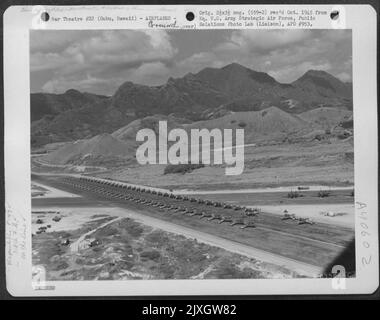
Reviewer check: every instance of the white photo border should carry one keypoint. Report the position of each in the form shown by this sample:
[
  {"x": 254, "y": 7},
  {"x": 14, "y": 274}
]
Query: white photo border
[{"x": 18, "y": 20}]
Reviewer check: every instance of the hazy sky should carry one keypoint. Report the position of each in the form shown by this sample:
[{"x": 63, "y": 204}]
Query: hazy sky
[{"x": 99, "y": 61}]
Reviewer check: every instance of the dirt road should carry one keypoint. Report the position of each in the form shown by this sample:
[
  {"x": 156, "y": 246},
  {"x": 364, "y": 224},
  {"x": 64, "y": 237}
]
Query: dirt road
[{"x": 74, "y": 247}]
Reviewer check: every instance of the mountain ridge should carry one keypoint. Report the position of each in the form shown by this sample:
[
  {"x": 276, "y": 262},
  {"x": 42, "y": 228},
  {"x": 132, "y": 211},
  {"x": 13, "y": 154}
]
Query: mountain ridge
[
  {"x": 233, "y": 87},
  {"x": 269, "y": 126}
]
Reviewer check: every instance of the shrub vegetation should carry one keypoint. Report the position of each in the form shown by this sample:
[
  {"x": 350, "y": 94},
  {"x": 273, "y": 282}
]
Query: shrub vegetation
[{"x": 181, "y": 168}]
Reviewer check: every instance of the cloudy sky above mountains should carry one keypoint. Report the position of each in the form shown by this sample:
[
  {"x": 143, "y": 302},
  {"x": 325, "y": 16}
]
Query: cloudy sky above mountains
[{"x": 100, "y": 61}]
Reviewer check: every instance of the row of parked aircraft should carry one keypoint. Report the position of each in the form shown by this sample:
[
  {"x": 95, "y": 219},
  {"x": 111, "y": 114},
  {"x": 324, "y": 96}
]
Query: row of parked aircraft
[{"x": 162, "y": 200}]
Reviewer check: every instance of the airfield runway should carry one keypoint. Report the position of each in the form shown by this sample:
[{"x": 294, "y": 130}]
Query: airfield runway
[{"x": 307, "y": 249}]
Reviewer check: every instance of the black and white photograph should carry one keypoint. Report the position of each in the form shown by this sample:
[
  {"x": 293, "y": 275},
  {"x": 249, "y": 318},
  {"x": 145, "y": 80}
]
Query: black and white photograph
[
  {"x": 154, "y": 151},
  {"x": 102, "y": 212}
]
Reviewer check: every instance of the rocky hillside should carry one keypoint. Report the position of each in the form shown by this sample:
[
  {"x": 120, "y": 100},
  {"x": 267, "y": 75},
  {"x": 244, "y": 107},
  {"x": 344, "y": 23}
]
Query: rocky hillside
[
  {"x": 66, "y": 119},
  {"x": 269, "y": 126},
  {"x": 89, "y": 151},
  {"x": 208, "y": 94},
  {"x": 48, "y": 104},
  {"x": 236, "y": 88},
  {"x": 326, "y": 117},
  {"x": 128, "y": 133}
]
